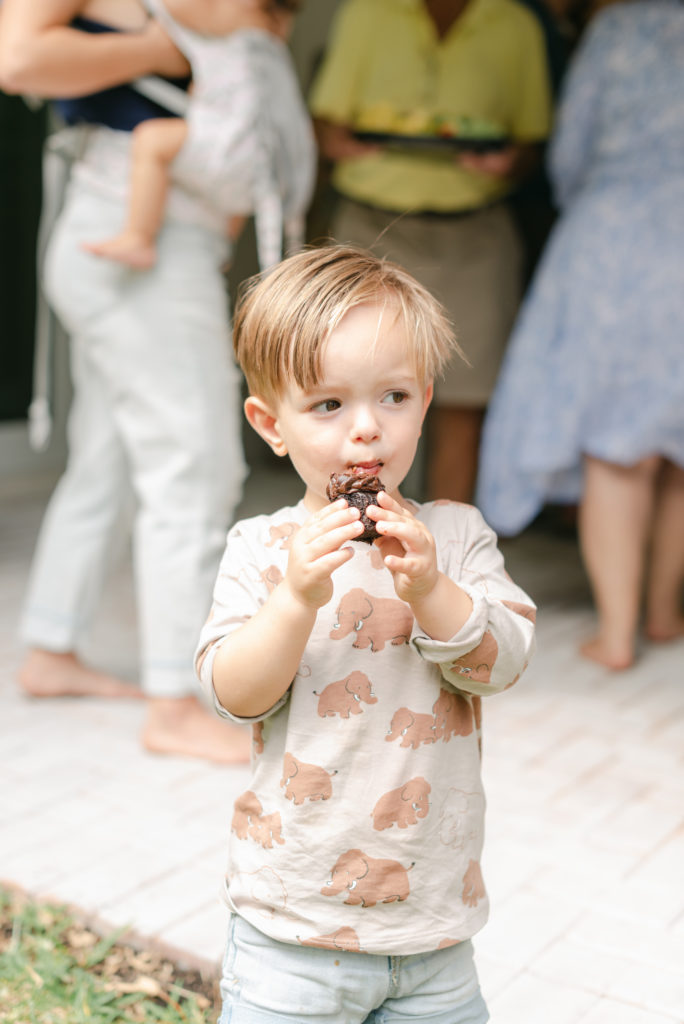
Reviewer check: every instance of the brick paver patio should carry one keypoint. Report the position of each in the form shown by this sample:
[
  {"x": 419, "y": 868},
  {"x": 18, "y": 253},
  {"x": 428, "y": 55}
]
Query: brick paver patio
[{"x": 584, "y": 856}]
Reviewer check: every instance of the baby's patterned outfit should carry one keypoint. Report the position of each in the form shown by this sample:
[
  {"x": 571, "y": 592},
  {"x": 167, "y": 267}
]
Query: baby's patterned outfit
[{"x": 250, "y": 145}]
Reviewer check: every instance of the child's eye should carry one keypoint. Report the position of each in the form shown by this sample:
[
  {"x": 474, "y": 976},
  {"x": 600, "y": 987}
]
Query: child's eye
[
  {"x": 328, "y": 405},
  {"x": 395, "y": 397}
]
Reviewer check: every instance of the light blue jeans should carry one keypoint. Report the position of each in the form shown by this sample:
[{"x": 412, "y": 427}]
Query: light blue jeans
[{"x": 265, "y": 981}]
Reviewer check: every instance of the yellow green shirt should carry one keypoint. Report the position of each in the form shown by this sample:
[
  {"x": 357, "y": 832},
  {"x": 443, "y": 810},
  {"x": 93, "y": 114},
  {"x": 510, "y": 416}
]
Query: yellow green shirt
[{"x": 386, "y": 53}]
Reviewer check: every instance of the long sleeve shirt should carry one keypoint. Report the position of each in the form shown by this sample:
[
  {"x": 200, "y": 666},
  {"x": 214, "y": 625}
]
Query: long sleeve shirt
[{"x": 362, "y": 826}]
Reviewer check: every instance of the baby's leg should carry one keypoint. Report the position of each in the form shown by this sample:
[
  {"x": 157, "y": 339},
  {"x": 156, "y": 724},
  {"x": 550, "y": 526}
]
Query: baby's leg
[{"x": 155, "y": 144}]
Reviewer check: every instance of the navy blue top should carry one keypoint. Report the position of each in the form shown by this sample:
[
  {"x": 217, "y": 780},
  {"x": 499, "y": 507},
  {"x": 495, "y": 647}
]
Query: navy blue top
[{"x": 119, "y": 107}]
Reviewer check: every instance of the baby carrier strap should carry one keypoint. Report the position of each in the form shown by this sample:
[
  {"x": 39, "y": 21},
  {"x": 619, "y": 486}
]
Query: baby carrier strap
[
  {"x": 286, "y": 173},
  {"x": 164, "y": 93},
  {"x": 282, "y": 170},
  {"x": 182, "y": 37}
]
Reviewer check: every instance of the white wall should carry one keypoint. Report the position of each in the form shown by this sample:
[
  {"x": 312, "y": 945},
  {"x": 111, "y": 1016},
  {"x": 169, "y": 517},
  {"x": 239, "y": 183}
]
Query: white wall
[{"x": 19, "y": 463}]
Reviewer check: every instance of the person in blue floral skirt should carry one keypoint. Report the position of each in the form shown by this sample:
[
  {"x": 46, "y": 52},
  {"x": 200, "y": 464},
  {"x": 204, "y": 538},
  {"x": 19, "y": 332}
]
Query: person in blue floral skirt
[{"x": 589, "y": 406}]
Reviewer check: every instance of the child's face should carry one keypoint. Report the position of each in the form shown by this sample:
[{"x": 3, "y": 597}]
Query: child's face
[{"x": 367, "y": 409}]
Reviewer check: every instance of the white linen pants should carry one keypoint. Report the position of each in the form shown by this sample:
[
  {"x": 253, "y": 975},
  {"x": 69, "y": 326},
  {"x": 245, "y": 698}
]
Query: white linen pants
[{"x": 156, "y": 409}]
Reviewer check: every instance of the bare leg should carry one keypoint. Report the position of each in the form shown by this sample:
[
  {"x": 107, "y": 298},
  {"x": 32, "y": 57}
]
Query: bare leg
[
  {"x": 155, "y": 144},
  {"x": 614, "y": 526},
  {"x": 665, "y": 585},
  {"x": 454, "y": 442},
  {"x": 51, "y": 674},
  {"x": 184, "y": 726}
]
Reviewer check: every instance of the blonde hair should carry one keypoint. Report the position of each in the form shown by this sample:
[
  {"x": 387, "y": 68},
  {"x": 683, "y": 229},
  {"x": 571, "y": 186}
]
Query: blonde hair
[{"x": 283, "y": 318}]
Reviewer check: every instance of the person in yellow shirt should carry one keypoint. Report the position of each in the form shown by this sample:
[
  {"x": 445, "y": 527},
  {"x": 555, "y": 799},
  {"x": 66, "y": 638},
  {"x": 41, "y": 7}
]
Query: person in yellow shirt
[{"x": 418, "y": 67}]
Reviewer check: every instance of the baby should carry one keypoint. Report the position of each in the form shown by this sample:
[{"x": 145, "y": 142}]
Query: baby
[
  {"x": 245, "y": 118},
  {"x": 354, "y": 870}
]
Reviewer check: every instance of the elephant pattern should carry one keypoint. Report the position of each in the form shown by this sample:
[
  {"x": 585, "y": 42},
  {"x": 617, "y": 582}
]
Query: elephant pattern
[
  {"x": 283, "y": 533},
  {"x": 477, "y": 664},
  {"x": 344, "y": 696},
  {"x": 368, "y": 880},
  {"x": 265, "y": 888},
  {"x": 413, "y": 727},
  {"x": 402, "y": 806},
  {"x": 249, "y": 821},
  {"x": 473, "y": 885},
  {"x": 375, "y": 620},
  {"x": 258, "y": 737},
  {"x": 345, "y": 939},
  {"x": 477, "y": 712},
  {"x": 376, "y": 559},
  {"x": 527, "y": 611},
  {"x": 272, "y": 577},
  {"x": 305, "y": 781},
  {"x": 459, "y": 819},
  {"x": 453, "y": 715},
  {"x": 364, "y": 822}
]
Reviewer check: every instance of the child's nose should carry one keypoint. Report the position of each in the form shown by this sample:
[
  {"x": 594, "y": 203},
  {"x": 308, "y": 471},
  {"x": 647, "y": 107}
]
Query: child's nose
[{"x": 365, "y": 426}]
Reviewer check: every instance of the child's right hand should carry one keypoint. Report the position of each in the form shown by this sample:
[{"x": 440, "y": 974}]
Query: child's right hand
[{"x": 316, "y": 551}]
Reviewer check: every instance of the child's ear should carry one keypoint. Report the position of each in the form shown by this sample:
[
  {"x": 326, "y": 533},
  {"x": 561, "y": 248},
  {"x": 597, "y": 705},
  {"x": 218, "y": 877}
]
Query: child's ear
[{"x": 262, "y": 417}]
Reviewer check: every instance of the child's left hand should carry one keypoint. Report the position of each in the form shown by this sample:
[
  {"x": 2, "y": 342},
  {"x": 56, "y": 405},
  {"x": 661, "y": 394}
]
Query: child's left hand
[{"x": 407, "y": 548}]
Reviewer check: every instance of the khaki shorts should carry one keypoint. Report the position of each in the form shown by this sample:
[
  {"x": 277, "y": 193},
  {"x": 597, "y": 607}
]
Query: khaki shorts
[{"x": 472, "y": 263}]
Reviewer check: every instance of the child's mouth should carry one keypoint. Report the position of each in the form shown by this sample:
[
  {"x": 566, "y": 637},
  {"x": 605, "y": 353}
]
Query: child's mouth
[{"x": 366, "y": 467}]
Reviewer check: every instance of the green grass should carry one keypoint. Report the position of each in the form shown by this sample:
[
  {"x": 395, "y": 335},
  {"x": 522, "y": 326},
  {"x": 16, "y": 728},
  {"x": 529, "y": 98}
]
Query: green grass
[{"x": 53, "y": 970}]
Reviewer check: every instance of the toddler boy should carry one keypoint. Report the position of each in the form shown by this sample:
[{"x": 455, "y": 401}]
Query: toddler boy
[{"x": 354, "y": 872}]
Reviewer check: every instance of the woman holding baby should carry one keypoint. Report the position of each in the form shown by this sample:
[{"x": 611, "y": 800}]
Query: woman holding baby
[{"x": 156, "y": 395}]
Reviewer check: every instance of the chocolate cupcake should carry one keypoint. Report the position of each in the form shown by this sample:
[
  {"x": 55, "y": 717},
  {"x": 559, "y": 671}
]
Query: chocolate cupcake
[{"x": 359, "y": 490}]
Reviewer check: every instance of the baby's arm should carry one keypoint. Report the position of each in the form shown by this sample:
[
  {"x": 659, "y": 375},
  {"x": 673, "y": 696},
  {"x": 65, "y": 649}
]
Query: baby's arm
[{"x": 255, "y": 665}]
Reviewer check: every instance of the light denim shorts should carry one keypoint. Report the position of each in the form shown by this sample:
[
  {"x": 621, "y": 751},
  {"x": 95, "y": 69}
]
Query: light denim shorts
[{"x": 265, "y": 981}]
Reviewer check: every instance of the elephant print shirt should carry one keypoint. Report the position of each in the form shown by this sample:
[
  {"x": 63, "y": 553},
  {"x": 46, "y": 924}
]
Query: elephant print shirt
[{"x": 362, "y": 825}]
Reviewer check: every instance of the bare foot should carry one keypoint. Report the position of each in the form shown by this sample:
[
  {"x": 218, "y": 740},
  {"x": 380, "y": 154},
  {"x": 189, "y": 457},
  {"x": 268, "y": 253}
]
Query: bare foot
[
  {"x": 612, "y": 657},
  {"x": 132, "y": 250},
  {"x": 665, "y": 631},
  {"x": 184, "y": 726},
  {"x": 49, "y": 674}
]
